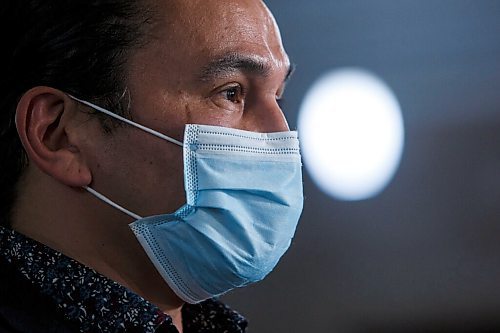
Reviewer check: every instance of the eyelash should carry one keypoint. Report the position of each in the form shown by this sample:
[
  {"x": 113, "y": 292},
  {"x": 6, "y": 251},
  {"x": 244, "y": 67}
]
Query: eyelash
[
  {"x": 238, "y": 90},
  {"x": 238, "y": 95}
]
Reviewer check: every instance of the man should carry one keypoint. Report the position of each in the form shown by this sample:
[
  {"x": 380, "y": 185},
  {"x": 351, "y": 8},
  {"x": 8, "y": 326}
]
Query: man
[{"x": 97, "y": 97}]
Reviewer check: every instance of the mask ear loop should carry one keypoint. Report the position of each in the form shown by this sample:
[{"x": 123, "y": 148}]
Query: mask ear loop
[
  {"x": 139, "y": 126},
  {"x": 128, "y": 121},
  {"x": 111, "y": 203}
]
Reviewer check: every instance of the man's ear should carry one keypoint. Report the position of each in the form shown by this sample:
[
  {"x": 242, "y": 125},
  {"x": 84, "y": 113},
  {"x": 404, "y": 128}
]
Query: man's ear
[{"x": 45, "y": 120}]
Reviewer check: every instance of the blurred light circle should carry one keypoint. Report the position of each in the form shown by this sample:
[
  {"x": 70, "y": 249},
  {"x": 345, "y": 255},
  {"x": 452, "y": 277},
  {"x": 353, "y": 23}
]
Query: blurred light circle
[{"x": 352, "y": 134}]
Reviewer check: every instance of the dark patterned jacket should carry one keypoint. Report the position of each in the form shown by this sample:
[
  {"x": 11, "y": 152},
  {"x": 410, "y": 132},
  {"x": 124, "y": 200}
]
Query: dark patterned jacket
[{"x": 42, "y": 291}]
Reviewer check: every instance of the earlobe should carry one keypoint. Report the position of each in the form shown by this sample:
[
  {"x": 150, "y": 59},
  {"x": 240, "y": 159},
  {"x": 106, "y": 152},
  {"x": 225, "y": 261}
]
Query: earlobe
[{"x": 44, "y": 119}]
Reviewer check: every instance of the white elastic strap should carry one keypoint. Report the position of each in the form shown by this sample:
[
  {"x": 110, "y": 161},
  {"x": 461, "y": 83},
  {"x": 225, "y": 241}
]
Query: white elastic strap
[
  {"x": 130, "y": 122},
  {"x": 111, "y": 203}
]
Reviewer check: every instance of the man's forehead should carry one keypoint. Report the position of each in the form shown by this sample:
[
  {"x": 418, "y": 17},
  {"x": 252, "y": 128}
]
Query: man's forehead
[
  {"x": 216, "y": 39},
  {"x": 184, "y": 7},
  {"x": 228, "y": 63},
  {"x": 217, "y": 19}
]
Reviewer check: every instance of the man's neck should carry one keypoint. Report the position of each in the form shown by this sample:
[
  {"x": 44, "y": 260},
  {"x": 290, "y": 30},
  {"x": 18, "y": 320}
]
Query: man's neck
[{"x": 81, "y": 227}]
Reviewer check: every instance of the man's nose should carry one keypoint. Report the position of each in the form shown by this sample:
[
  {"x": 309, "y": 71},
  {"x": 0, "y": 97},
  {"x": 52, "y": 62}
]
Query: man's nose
[{"x": 266, "y": 117}]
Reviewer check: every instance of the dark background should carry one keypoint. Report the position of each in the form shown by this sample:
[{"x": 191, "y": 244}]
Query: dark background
[{"x": 424, "y": 255}]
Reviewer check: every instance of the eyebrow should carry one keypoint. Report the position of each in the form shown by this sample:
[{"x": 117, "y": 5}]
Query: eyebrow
[{"x": 234, "y": 62}]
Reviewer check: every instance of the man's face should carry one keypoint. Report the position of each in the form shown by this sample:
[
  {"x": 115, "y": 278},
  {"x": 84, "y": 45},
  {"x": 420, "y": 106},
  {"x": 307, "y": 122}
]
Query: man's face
[{"x": 209, "y": 62}]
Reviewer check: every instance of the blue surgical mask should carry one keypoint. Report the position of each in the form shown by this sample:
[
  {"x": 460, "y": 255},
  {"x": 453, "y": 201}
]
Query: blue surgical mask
[{"x": 244, "y": 199}]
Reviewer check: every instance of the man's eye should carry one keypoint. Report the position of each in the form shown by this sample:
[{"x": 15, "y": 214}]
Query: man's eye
[
  {"x": 230, "y": 97},
  {"x": 234, "y": 94}
]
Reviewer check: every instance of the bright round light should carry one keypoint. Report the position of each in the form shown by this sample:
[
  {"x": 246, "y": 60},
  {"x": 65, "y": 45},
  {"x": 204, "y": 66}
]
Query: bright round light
[{"x": 352, "y": 134}]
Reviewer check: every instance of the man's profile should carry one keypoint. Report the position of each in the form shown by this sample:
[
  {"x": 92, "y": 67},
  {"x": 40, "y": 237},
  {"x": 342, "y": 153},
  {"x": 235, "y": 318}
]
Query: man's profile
[{"x": 147, "y": 165}]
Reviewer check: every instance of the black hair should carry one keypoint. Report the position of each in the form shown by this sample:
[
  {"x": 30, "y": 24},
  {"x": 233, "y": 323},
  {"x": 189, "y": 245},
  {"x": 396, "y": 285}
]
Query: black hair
[{"x": 78, "y": 46}]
